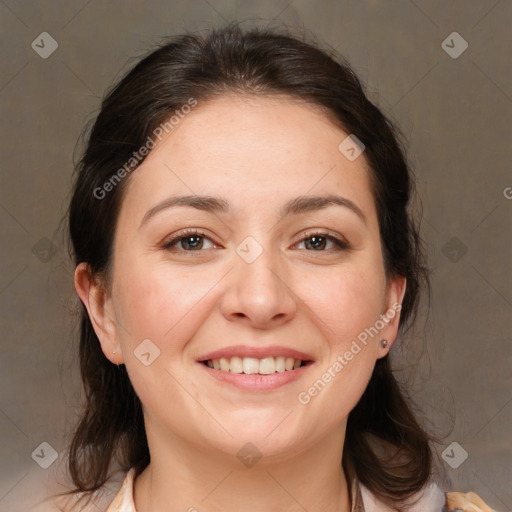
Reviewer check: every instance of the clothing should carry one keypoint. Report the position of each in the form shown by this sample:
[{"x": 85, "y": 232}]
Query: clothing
[{"x": 431, "y": 500}]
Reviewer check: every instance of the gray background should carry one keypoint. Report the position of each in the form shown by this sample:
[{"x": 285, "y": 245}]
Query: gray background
[{"x": 455, "y": 112}]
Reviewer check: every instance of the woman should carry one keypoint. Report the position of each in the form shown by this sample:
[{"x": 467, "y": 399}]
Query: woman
[{"x": 246, "y": 259}]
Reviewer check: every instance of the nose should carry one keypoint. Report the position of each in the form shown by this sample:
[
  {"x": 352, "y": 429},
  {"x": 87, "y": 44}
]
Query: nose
[{"x": 258, "y": 293}]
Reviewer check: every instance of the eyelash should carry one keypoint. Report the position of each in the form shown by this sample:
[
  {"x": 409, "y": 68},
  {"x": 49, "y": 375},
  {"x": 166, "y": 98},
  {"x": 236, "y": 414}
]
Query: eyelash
[{"x": 341, "y": 245}]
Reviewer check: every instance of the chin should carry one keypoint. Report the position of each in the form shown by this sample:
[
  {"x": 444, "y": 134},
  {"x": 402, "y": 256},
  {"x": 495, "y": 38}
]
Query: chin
[{"x": 268, "y": 439}]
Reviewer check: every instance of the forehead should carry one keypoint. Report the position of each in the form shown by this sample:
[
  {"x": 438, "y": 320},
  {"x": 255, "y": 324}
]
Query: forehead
[{"x": 255, "y": 150}]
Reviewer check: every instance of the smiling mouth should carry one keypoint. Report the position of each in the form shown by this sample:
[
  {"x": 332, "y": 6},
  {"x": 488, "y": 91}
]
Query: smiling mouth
[{"x": 252, "y": 365}]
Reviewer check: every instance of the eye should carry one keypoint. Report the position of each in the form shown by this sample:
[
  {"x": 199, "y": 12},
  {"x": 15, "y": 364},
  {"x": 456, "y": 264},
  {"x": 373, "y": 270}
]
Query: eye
[
  {"x": 189, "y": 240},
  {"x": 193, "y": 240},
  {"x": 323, "y": 242}
]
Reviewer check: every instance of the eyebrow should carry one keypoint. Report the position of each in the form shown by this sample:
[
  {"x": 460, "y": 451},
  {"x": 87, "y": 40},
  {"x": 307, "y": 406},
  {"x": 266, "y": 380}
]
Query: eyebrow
[{"x": 301, "y": 204}]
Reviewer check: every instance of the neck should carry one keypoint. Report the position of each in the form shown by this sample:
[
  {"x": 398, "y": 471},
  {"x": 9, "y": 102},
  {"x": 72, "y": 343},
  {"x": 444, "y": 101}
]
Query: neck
[{"x": 182, "y": 478}]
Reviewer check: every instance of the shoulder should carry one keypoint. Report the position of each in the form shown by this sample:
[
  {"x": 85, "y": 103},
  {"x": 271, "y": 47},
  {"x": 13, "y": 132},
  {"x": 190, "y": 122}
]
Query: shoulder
[
  {"x": 431, "y": 499},
  {"x": 123, "y": 500},
  {"x": 467, "y": 502}
]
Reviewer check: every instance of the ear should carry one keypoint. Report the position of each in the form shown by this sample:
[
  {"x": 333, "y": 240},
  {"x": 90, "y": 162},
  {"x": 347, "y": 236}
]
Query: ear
[
  {"x": 98, "y": 303},
  {"x": 391, "y": 315}
]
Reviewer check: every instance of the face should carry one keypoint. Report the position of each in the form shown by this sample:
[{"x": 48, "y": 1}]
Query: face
[{"x": 247, "y": 241}]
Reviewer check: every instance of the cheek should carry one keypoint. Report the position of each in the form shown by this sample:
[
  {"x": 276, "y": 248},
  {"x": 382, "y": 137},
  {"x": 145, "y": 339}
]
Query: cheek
[
  {"x": 344, "y": 302},
  {"x": 166, "y": 307},
  {"x": 157, "y": 303}
]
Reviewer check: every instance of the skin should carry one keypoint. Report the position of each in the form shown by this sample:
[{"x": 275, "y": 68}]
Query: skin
[{"x": 257, "y": 153}]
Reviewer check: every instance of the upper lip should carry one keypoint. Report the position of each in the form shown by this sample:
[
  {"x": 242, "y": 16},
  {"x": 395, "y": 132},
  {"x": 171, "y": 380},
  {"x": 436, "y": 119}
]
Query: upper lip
[{"x": 256, "y": 352}]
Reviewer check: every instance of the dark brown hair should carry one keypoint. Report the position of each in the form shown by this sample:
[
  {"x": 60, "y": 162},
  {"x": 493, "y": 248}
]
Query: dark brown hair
[{"x": 255, "y": 62}]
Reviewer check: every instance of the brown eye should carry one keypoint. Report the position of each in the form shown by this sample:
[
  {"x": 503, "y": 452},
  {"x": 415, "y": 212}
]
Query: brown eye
[
  {"x": 323, "y": 242},
  {"x": 316, "y": 242},
  {"x": 193, "y": 242},
  {"x": 189, "y": 241}
]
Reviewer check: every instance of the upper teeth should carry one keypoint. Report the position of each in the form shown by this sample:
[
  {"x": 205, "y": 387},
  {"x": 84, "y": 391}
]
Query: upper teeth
[{"x": 265, "y": 366}]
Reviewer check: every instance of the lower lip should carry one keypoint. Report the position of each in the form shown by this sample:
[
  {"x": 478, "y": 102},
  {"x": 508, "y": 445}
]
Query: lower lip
[{"x": 255, "y": 381}]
